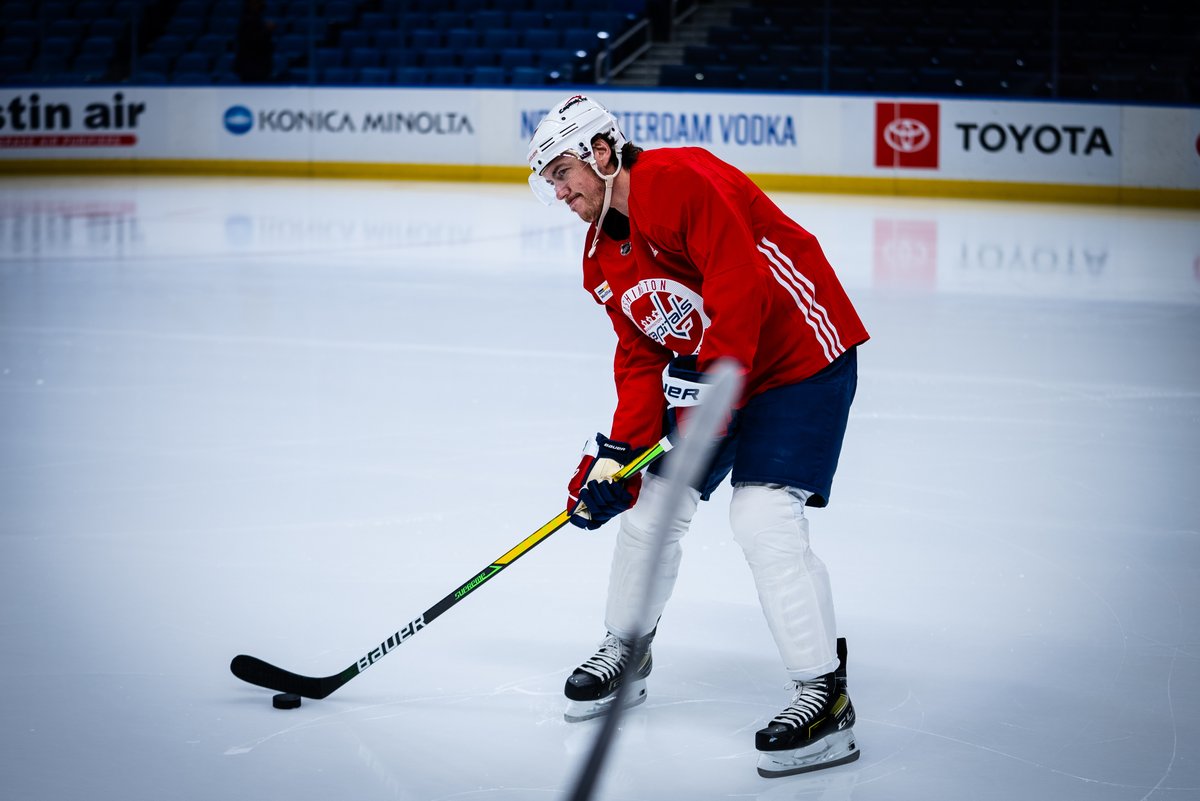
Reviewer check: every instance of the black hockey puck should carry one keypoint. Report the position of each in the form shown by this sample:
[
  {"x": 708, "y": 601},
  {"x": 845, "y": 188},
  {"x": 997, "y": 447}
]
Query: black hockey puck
[{"x": 286, "y": 701}]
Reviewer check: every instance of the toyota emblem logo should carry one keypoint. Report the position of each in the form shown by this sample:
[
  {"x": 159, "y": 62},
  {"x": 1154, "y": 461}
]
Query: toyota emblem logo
[{"x": 907, "y": 135}]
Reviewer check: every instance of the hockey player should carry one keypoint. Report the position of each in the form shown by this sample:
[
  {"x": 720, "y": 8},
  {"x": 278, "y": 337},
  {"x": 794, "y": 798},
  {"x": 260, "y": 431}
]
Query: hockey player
[{"x": 693, "y": 263}]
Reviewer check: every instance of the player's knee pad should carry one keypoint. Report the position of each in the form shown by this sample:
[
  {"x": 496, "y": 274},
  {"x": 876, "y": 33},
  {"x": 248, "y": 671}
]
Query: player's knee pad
[
  {"x": 768, "y": 519},
  {"x": 637, "y": 525},
  {"x": 633, "y": 562},
  {"x": 793, "y": 585}
]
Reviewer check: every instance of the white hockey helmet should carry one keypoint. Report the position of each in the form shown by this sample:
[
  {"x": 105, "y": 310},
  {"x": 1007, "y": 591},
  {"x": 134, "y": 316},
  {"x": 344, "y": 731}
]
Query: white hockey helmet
[{"x": 568, "y": 129}]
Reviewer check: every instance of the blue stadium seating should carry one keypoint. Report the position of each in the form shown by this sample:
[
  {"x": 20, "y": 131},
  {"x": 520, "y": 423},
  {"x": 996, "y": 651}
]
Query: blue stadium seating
[
  {"x": 193, "y": 62},
  {"x": 516, "y": 57},
  {"x": 411, "y": 76},
  {"x": 389, "y": 39},
  {"x": 375, "y": 76},
  {"x": 170, "y": 44},
  {"x": 360, "y": 57},
  {"x": 462, "y": 38},
  {"x": 425, "y": 38},
  {"x": 521, "y": 21},
  {"x": 439, "y": 58},
  {"x": 488, "y": 76},
  {"x": 339, "y": 75},
  {"x": 355, "y": 39},
  {"x": 490, "y": 20},
  {"x": 540, "y": 39},
  {"x": 499, "y": 38},
  {"x": 159, "y": 63},
  {"x": 326, "y": 57},
  {"x": 448, "y": 76},
  {"x": 476, "y": 57},
  {"x": 191, "y": 78},
  {"x": 527, "y": 76},
  {"x": 1097, "y": 50},
  {"x": 214, "y": 44}
]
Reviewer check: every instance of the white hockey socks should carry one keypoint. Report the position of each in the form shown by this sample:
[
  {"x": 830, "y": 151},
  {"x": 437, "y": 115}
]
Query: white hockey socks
[{"x": 793, "y": 584}]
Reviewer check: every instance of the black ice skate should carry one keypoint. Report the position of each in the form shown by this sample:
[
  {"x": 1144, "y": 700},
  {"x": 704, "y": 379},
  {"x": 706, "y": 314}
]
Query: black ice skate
[
  {"x": 815, "y": 731},
  {"x": 593, "y": 685}
]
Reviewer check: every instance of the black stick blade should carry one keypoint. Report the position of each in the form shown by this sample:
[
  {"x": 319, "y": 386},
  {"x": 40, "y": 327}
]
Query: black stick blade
[{"x": 255, "y": 671}]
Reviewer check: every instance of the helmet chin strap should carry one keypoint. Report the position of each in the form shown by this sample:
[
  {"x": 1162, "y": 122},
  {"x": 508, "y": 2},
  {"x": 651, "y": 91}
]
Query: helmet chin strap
[{"x": 608, "y": 188}]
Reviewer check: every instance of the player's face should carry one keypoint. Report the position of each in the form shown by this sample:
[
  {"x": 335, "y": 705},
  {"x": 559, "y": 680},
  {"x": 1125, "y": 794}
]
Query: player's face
[{"x": 576, "y": 184}]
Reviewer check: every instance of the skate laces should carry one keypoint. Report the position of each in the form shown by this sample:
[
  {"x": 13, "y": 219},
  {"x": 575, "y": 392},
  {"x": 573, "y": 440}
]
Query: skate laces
[
  {"x": 608, "y": 661},
  {"x": 809, "y": 698}
]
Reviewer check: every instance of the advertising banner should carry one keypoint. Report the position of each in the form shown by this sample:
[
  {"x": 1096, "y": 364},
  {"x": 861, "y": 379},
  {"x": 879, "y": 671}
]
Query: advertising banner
[
  {"x": 81, "y": 124},
  {"x": 864, "y": 142}
]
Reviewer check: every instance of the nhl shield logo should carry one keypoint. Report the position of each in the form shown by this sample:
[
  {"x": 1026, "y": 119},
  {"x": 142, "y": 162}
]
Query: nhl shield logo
[{"x": 626, "y": 248}]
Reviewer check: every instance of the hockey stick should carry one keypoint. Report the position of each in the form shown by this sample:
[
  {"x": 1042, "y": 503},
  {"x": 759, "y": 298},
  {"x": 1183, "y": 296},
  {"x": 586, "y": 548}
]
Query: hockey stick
[{"x": 263, "y": 674}]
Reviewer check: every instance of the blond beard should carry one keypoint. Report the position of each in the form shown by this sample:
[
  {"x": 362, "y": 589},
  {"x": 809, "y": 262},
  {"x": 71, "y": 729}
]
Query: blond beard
[{"x": 593, "y": 202}]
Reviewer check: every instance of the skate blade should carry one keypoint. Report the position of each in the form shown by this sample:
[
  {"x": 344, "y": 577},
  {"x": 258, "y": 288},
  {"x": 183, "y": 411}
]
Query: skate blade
[
  {"x": 836, "y": 749},
  {"x": 578, "y": 711}
]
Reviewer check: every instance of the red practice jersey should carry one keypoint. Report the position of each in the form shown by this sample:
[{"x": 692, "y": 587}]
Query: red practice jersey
[{"x": 714, "y": 268}]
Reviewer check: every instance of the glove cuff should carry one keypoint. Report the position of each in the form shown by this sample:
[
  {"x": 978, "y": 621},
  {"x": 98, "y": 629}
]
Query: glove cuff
[
  {"x": 683, "y": 384},
  {"x": 620, "y": 452}
]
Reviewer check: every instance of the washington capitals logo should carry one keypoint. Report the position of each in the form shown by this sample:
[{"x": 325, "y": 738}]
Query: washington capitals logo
[
  {"x": 670, "y": 313},
  {"x": 571, "y": 101},
  {"x": 670, "y": 318}
]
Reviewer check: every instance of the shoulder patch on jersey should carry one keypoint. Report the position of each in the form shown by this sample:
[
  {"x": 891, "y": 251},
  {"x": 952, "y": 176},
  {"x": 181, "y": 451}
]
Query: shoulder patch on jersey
[{"x": 603, "y": 292}]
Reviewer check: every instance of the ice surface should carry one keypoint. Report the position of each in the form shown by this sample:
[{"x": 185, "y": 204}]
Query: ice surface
[{"x": 285, "y": 417}]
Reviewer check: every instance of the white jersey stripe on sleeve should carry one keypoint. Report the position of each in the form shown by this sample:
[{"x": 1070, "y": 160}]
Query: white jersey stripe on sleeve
[
  {"x": 783, "y": 282},
  {"x": 810, "y": 296},
  {"x": 816, "y": 316}
]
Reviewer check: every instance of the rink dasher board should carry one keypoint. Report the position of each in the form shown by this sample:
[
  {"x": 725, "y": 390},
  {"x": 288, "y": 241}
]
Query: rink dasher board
[{"x": 888, "y": 145}]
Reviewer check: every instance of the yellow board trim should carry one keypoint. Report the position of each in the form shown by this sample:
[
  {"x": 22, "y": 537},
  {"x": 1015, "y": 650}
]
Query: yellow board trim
[
  {"x": 982, "y": 190},
  {"x": 896, "y": 187},
  {"x": 292, "y": 169}
]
